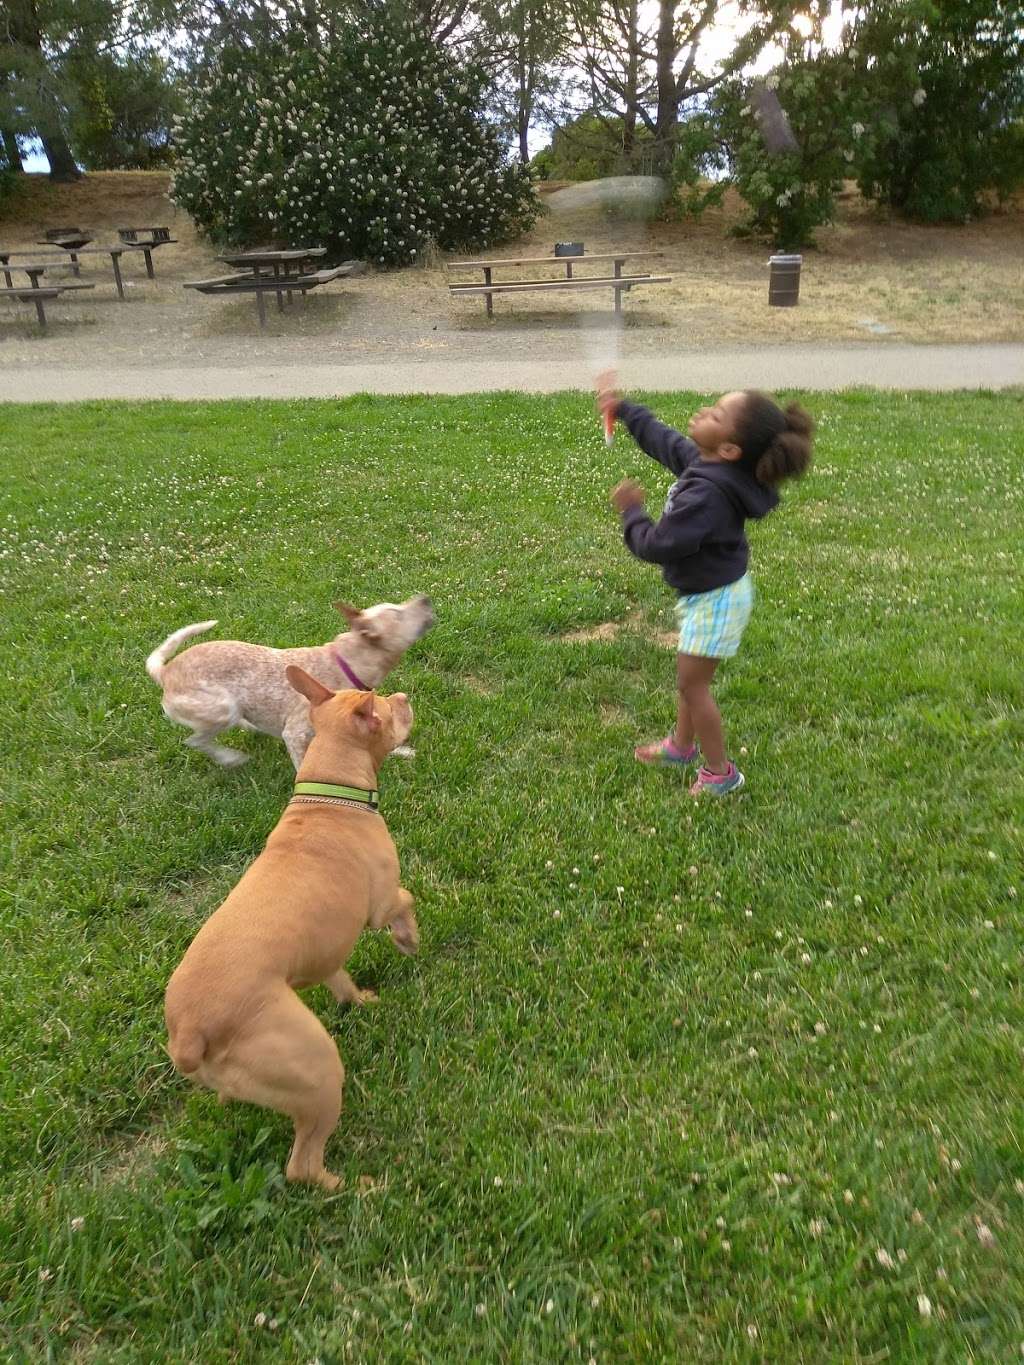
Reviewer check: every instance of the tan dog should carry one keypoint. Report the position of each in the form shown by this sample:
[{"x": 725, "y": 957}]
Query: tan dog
[
  {"x": 213, "y": 686},
  {"x": 328, "y": 870}
]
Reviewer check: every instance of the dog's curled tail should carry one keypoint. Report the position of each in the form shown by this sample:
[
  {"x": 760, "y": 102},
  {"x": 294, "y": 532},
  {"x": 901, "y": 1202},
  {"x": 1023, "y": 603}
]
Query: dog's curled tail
[{"x": 155, "y": 662}]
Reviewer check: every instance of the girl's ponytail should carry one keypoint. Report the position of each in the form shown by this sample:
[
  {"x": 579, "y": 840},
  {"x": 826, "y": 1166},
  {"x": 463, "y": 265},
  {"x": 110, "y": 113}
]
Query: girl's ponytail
[{"x": 776, "y": 445}]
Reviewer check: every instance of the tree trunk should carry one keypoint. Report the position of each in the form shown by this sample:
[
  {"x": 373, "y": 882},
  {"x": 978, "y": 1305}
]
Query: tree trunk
[
  {"x": 667, "y": 120},
  {"x": 629, "y": 116},
  {"x": 24, "y": 32},
  {"x": 58, "y": 153},
  {"x": 12, "y": 150},
  {"x": 524, "y": 101}
]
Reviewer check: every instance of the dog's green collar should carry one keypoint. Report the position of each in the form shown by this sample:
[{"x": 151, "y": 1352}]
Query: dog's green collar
[{"x": 358, "y": 796}]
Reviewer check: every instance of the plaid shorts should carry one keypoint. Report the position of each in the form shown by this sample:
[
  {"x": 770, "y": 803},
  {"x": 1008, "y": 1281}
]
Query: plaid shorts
[{"x": 711, "y": 624}]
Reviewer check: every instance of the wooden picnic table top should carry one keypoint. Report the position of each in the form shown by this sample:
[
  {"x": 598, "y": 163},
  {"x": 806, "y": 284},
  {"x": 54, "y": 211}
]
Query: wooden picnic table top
[
  {"x": 67, "y": 242},
  {"x": 552, "y": 260},
  {"x": 246, "y": 282},
  {"x": 245, "y": 258},
  {"x": 118, "y": 250}
]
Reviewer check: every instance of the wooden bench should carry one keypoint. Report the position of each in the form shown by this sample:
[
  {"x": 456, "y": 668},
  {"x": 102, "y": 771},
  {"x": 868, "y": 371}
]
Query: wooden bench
[
  {"x": 35, "y": 270},
  {"x": 252, "y": 282},
  {"x": 617, "y": 281},
  {"x": 33, "y": 295}
]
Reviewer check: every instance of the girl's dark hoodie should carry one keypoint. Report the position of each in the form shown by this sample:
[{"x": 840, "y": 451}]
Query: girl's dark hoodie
[{"x": 699, "y": 541}]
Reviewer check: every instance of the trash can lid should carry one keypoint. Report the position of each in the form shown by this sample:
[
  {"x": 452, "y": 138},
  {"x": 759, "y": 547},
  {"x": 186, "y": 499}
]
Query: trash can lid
[{"x": 785, "y": 260}]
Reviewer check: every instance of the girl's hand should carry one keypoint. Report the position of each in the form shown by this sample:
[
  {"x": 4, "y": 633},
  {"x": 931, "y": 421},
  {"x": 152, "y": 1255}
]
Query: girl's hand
[
  {"x": 627, "y": 494},
  {"x": 607, "y": 398}
]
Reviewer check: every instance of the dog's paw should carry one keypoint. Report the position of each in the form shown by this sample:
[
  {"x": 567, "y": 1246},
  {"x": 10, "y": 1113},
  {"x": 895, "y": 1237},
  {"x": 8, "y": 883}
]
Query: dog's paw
[{"x": 233, "y": 758}]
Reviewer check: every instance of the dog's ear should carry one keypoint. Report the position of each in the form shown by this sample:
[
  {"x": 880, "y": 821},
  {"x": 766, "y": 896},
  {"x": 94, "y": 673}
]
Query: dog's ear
[
  {"x": 314, "y": 692},
  {"x": 366, "y": 713},
  {"x": 351, "y": 614}
]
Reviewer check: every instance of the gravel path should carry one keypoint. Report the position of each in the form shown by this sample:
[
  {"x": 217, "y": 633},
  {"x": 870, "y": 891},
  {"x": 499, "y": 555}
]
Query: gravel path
[{"x": 889, "y": 366}]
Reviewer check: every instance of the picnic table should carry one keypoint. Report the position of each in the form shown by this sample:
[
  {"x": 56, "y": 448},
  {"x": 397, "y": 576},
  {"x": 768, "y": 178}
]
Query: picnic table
[
  {"x": 34, "y": 271},
  {"x": 279, "y": 272},
  {"x": 114, "y": 252},
  {"x": 70, "y": 239},
  {"x": 617, "y": 281},
  {"x": 146, "y": 240},
  {"x": 300, "y": 259},
  {"x": 38, "y": 295}
]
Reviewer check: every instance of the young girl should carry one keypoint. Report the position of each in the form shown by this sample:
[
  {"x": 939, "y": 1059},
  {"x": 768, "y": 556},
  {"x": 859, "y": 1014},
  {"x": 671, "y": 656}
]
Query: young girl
[{"x": 738, "y": 451}]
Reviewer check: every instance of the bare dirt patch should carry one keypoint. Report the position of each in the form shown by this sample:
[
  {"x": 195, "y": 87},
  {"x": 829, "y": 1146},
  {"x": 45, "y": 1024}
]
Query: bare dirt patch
[
  {"x": 636, "y": 623},
  {"x": 133, "y": 1159},
  {"x": 870, "y": 278},
  {"x": 612, "y": 715}
]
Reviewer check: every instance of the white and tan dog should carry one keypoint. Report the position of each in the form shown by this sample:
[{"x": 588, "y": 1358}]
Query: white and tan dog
[
  {"x": 222, "y": 683},
  {"x": 329, "y": 870}
]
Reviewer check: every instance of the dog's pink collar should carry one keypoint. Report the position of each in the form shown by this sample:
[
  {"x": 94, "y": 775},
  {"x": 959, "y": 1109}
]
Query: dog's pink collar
[{"x": 355, "y": 681}]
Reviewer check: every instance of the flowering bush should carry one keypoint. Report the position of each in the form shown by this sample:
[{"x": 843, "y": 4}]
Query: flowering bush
[
  {"x": 371, "y": 145},
  {"x": 791, "y": 194}
]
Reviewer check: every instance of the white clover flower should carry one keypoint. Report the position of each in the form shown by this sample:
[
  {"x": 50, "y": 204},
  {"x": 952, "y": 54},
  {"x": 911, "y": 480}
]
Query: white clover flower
[
  {"x": 919, "y": 97},
  {"x": 858, "y": 130}
]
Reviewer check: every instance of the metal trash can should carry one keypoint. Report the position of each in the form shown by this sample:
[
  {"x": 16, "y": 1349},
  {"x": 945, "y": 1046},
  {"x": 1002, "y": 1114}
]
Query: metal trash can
[{"x": 784, "y": 281}]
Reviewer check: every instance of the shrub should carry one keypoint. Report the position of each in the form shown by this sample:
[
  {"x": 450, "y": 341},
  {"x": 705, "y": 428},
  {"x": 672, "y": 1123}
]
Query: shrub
[
  {"x": 371, "y": 145},
  {"x": 789, "y": 195}
]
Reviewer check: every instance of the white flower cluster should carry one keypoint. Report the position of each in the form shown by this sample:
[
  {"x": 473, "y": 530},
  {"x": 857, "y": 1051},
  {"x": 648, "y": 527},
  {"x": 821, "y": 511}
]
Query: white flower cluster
[{"x": 370, "y": 148}]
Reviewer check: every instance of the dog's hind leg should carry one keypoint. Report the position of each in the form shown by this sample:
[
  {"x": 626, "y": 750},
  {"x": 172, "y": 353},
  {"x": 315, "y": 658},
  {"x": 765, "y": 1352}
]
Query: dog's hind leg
[
  {"x": 206, "y": 716},
  {"x": 288, "y": 1063},
  {"x": 204, "y": 741}
]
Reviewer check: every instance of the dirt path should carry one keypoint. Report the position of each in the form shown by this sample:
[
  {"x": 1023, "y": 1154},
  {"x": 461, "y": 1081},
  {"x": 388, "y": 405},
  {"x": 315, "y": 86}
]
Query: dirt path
[
  {"x": 819, "y": 367},
  {"x": 881, "y": 303}
]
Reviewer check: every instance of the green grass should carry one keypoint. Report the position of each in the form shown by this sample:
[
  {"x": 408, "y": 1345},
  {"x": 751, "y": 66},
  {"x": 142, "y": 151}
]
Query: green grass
[{"x": 665, "y": 1078}]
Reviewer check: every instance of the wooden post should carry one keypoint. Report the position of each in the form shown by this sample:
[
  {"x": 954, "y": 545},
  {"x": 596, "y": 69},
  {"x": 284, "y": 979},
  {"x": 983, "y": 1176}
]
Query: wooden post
[
  {"x": 149, "y": 262},
  {"x": 39, "y": 310},
  {"x": 488, "y": 297},
  {"x": 618, "y": 298},
  {"x": 261, "y": 306},
  {"x": 115, "y": 262},
  {"x": 280, "y": 296},
  {"x": 7, "y": 271}
]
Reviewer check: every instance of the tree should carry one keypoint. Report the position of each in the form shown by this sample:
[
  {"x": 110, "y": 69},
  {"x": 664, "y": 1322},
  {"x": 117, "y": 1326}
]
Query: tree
[
  {"x": 33, "y": 100},
  {"x": 945, "y": 101},
  {"x": 372, "y": 142},
  {"x": 49, "y": 47},
  {"x": 123, "y": 111},
  {"x": 523, "y": 44},
  {"x": 644, "y": 66},
  {"x": 593, "y": 146}
]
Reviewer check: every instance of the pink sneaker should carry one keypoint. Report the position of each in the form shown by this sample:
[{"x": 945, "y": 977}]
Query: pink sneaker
[
  {"x": 666, "y": 753},
  {"x": 718, "y": 784}
]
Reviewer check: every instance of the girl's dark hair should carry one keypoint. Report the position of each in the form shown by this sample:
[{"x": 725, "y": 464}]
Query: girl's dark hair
[{"x": 776, "y": 445}]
